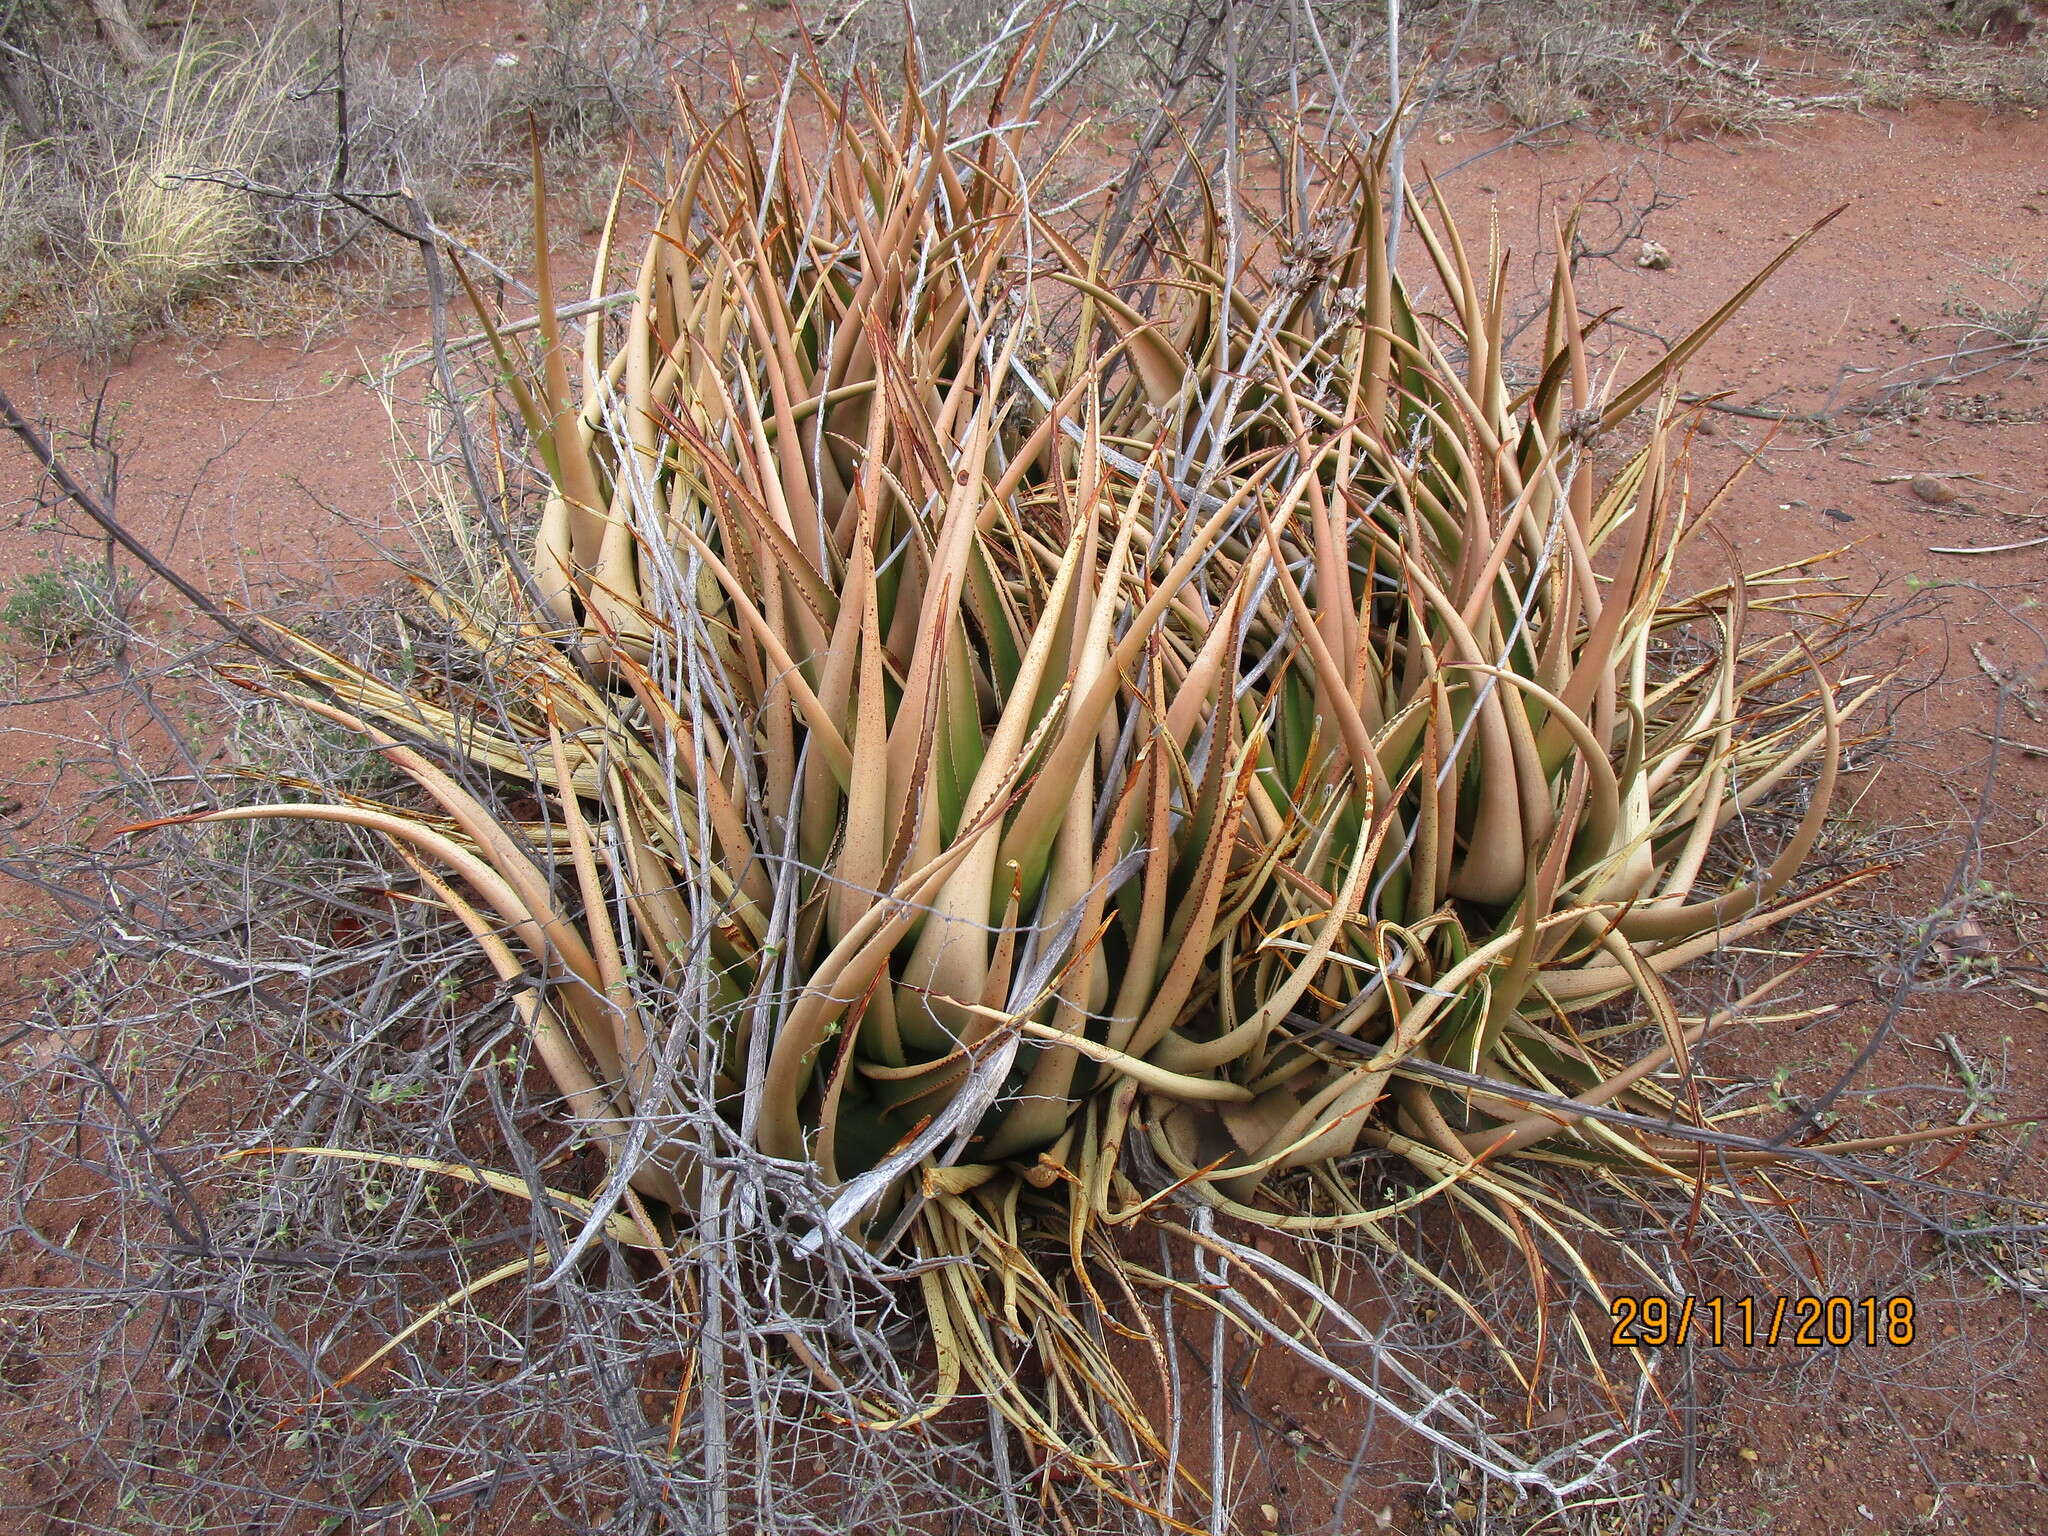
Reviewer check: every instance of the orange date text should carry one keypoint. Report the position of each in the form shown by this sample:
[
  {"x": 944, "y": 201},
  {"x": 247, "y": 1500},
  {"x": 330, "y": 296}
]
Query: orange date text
[{"x": 1805, "y": 1322}]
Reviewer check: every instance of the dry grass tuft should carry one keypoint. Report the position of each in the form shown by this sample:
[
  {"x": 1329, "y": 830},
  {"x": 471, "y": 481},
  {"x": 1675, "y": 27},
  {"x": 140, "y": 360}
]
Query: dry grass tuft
[{"x": 167, "y": 231}]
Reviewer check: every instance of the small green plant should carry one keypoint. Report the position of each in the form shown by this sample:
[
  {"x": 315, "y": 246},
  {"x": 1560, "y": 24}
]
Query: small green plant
[{"x": 62, "y": 606}]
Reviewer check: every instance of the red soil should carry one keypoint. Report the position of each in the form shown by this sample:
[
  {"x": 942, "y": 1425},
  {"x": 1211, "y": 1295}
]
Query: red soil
[{"x": 258, "y": 468}]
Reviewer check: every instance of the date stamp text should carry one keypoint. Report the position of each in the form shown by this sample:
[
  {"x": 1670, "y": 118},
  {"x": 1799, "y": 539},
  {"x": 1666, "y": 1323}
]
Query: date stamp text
[{"x": 1805, "y": 1322}]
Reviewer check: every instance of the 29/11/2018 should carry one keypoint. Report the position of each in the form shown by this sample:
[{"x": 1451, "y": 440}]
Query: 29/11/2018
[{"x": 1808, "y": 1322}]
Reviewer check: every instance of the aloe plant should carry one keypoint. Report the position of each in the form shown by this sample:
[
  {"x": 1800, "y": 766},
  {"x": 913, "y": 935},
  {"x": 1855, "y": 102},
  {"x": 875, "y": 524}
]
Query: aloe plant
[{"x": 1011, "y": 720}]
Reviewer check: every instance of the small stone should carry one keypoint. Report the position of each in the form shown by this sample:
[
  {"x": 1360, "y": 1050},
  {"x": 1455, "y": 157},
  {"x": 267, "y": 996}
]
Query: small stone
[{"x": 1936, "y": 493}]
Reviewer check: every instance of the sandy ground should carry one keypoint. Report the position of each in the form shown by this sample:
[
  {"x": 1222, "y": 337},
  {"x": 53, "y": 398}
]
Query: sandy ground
[{"x": 262, "y": 472}]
